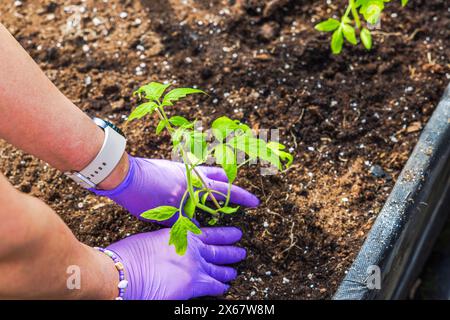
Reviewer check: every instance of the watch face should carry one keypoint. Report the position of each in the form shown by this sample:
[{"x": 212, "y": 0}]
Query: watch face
[
  {"x": 104, "y": 123},
  {"x": 115, "y": 128}
]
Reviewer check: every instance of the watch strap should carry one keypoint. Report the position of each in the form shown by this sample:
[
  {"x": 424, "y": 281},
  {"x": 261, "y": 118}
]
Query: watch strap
[{"x": 104, "y": 163}]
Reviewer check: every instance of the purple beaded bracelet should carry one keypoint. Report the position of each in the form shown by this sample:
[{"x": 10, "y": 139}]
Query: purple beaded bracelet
[{"x": 123, "y": 284}]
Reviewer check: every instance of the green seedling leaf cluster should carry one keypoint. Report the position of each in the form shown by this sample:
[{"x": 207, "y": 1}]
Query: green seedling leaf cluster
[
  {"x": 352, "y": 24},
  {"x": 230, "y": 138}
]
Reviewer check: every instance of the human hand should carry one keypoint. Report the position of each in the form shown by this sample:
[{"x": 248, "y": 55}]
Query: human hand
[
  {"x": 151, "y": 183},
  {"x": 154, "y": 270}
]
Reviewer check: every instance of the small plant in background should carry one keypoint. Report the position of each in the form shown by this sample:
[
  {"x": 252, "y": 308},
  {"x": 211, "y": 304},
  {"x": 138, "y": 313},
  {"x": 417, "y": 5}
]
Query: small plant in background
[
  {"x": 347, "y": 27},
  {"x": 231, "y": 137}
]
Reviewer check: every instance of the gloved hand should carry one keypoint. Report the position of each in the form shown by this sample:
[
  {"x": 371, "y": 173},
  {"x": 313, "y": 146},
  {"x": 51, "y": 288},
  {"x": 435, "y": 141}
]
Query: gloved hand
[
  {"x": 155, "y": 271},
  {"x": 153, "y": 183}
]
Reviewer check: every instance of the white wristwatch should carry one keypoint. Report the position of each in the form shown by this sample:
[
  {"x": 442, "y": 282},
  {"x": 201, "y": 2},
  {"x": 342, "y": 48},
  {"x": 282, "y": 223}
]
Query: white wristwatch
[{"x": 106, "y": 160}]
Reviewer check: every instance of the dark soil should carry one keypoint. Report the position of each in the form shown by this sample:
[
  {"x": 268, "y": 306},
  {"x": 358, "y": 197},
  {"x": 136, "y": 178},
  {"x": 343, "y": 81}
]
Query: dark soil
[{"x": 263, "y": 63}]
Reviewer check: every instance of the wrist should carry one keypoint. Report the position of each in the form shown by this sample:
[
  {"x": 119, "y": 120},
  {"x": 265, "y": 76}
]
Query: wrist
[
  {"x": 101, "y": 282},
  {"x": 117, "y": 176},
  {"x": 103, "y": 165}
]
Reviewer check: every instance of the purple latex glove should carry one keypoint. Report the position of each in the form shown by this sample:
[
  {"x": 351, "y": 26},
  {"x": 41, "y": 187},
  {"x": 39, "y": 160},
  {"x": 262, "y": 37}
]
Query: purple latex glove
[
  {"x": 156, "y": 272},
  {"x": 153, "y": 183}
]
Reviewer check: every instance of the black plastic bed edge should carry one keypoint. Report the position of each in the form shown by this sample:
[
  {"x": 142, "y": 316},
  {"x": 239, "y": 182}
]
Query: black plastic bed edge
[{"x": 410, "y": 221}]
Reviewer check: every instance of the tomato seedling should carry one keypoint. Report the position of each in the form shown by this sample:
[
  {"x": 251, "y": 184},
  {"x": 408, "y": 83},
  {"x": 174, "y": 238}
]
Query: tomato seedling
[
  {"x": 347, "y": 28},
  {"x": 231, "y": 137}
]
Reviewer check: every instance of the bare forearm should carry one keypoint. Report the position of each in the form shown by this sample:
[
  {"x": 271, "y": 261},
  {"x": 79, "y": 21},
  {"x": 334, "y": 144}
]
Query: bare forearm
[
  {"x": 39, "y": 119},
  {"x": 37, "y": 249}
]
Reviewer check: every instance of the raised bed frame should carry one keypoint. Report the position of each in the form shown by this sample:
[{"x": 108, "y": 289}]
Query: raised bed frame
[{"x": 411, "y": 219}]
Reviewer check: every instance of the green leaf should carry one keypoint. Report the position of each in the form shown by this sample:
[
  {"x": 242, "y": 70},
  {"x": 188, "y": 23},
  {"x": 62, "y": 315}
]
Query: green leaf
[
  {"x": 204, "y": 198},
  {"x": 278, "y": 148},
  {"x": 228, "y": 210},
  {"x": 346, "y": 20},
  {"x": 161, "y": 125},
  {"x": 349, "y": 33},
  {"x": 337, "y": 40},
  {"x": 226, "y": 157},
  {"x": 177, "y": 94},
  {"x": 177, "y": 136},
  {"x": 222, "y": 127},
  {"x": 178, "y": 121},
  {"x": 196, "y": 182},
  {"x": 189, "y": 207},
  {"x": 160, "y": 213},
  {"x": 142, "y": 110},
  {"x": 276, "y": 145},
  {"x": 152, "y": 91},
  {"x": 359, "y": 3},
  {"x": 371, "y": 10},
  {"x": 212, "y": 222},
  {"x": 404, "y": 3},
  {"x": 255, "y": 148},
  {"x": 366, "y": 38},
  {"x": 328, "y": 25},
  {"x": 196, "y": 145},
  {"x": 179, "y": 233}
]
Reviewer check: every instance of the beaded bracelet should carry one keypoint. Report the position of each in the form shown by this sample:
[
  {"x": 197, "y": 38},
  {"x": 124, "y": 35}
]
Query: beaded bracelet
[{"x": 123, "y": 284}]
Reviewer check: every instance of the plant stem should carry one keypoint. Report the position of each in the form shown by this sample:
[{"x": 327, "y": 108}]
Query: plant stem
[
  {"x": 351, "y": 8},
  {"x": 162, "y": 115},
  {"x": 182, "y": 200},
  {"x": 347, "y": 11},
  {"x": 228, "y": 195},
  {"x": 207, "y": 209},
  {"x": 244, "y": 163},
  {"x": 218, "y": 192},
  {"x": 355, "y": 14},
  {"x": 214, "y": 200}
]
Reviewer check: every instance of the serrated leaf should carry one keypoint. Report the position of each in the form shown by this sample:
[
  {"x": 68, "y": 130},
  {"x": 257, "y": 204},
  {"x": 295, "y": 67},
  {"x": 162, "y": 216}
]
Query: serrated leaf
[
  {"x": 337, "y": 40},
  {"x": 227, "y": 159},
  {"x": 178, "y": 237},
  {"x": 278, "y": 148},
  {"x": 179, "y": 233},
  {"x": 178, "y": 121},
  {"x": 255, "y": 148},
  {"x": 177, "y": 94},
  {"x": 161, "y": 125},
  {"x": 349, "y": 33},
  {"x": 328, "y": 25},
  {"x": 228, "y": 210},
  {"x": 222, "y": 127},
  {"x": 366, "y": 38},
  {"x": 161, "y": 213},
  {"x": 153, "y": 90},
  {"x": 142, "y": 110}
]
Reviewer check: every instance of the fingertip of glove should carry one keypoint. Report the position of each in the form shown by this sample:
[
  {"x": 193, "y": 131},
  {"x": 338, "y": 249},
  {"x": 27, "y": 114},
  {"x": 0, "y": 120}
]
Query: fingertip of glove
[
  {"x": 253, "y": 201},
  {"x": 234, "y": 275},
  {"x": 238, "y": 232},
  {"x": 242, "y": 253}
]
